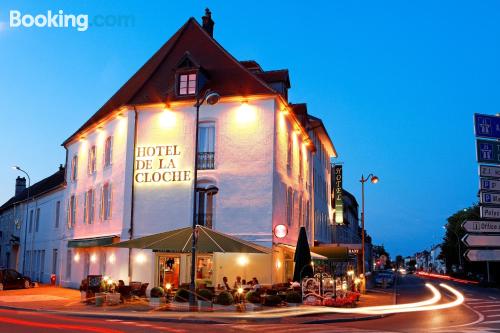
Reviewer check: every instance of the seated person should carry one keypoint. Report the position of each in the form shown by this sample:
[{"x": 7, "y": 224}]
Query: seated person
[
  {"x": 255, "y": 284},
  {"x": 225, "y": 285},
  {"x": 238, "y": 283}
]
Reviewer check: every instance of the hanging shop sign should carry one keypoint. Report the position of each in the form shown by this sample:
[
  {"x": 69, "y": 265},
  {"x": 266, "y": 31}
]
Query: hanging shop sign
[
  {"x": 337, "y": 193},
  {"x": 159, "y": 164}
]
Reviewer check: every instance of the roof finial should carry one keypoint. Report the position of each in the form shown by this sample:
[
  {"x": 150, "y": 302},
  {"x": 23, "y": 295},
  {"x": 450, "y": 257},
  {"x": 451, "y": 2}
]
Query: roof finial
[{"x": 208, "y": 23}]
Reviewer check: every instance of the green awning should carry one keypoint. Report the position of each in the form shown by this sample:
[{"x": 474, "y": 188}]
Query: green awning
[
  {"x": 179, "y": 241},
  {"x": 332, "y": 252},
  {"x": 93, "y": 242}
]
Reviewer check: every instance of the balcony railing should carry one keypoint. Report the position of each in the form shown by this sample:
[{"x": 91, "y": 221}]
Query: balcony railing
[{"x": 206, "y": 161}]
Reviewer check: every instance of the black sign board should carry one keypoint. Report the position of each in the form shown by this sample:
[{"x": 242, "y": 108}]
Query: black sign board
[{"x": 337, "y": 194}]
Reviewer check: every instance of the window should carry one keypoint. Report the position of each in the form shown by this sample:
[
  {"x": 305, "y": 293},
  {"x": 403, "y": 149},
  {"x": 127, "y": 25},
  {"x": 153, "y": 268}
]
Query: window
[
  {"x": 206, "y": 146},
  {"x": 289, "y": 154},
  {"x": 301, "y": 166},
  {"x": 74, "y": 167},
  {"x": 301, "y": 217},
  {"x": 71, "y": 211},
  {"x": 58, "y": 213},
  {"x": 106, "y": 201},
  {"x": 108, "y": 151},
  {"x": 37, "y": 220},
  {"x": 187, "y": 84},
  {"x": 42, "y": 265},
  {"x": 289, "y": 206},
  {"x": 54, "y": 261},
  {"x": 68, "y": 264},
  {"x": 205, "y": 204},
  {"x": 91, "y": 166},
  {"x": 31, "y": 221},
  {"x": 102, "y": 262},
  {"x": 88, "y": 207}
]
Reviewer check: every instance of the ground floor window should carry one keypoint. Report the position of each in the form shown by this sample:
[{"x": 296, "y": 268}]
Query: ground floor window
[
  {"x": 168, "y": 270},
  {"x": 204, "y": 267}
]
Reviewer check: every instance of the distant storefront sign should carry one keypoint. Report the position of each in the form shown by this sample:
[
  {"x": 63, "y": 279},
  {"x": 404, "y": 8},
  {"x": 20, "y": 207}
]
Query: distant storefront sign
[{"x": 337, "y": 192}]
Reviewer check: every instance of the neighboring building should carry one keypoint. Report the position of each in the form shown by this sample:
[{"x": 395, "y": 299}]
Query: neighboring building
[
  {"x": 436, "y": 264},
  {"x": 262, "y": 162},
  {"x": 40, "y": 233}
]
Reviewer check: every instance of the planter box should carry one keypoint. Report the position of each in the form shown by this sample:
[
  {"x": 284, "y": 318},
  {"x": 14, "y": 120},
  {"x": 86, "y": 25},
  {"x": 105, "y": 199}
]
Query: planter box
[
  {"x": 225, "y": 308},
  {"x": 180, "y": 306},
  {"x": 156, "y": 301},
  {"x": 113, "y": 299},
  {"x": 99, "y": 299},
  {"x": 204, "y": 306},
  {"x": 294, "y": 304},
  {"x": 253, "y": 306}
]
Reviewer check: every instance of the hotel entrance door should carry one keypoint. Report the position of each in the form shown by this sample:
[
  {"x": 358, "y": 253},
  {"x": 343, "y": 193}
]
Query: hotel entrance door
[{"x": 168, "y": 270}]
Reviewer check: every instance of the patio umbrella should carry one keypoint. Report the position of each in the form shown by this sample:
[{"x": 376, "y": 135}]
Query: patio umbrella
[
  {"x": 302, "y": 258},
  {"x": 179, "y": 240}
]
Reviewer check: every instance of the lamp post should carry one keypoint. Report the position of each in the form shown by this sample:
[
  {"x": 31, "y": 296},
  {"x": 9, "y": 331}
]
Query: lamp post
[
  {"x": 211, "y": 98},
  {"x": 17, "y": 168},
  {"x": 374, "y": 179}
]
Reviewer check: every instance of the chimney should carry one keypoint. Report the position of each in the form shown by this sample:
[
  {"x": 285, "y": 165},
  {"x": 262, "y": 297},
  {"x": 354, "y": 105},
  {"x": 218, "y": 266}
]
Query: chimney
[
  {"x": 61, "y": 168},
  {"x": 20, "y": 185},
  {"x": 208, "y": 23}
]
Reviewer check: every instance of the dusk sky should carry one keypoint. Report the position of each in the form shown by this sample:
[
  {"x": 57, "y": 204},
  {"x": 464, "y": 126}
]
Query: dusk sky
[{"x": 396, "y": 85}]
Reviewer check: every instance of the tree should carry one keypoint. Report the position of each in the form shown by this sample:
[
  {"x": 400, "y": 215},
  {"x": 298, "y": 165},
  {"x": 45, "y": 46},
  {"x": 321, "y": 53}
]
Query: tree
[
  {"x": 452, "y": 243},
  {"x": 400, "y": 261}
]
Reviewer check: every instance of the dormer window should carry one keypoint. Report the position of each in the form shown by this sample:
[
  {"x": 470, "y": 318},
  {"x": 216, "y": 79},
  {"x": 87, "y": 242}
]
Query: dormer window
[{"x": 187, "y": 84}]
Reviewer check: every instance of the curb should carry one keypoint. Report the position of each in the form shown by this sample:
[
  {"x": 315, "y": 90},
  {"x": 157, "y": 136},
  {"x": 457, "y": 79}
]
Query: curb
[{"x": 213, "y": 321}]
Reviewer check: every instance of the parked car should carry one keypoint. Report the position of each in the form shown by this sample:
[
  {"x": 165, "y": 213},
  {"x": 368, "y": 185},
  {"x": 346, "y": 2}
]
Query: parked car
[
  {"x": 12, "y": 279},
  {"x": 384, "y": 278}
]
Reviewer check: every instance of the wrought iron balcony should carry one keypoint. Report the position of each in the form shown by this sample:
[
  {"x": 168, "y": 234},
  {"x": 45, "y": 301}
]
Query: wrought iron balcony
[{"x": 206, "y": 161}]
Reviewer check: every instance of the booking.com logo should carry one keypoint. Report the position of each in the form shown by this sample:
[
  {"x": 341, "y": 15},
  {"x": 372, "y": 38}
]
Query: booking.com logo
[{"x": 59, "y": 19}]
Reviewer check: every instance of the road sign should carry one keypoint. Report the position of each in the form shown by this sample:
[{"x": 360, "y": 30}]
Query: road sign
[
  {"x": 489, "y": 184},
  {"x": 489, "y": 171},
  {"x": 481, "y": 240},
  {"x": 490, "y": 198},
  {"x": 483, "y": 255},
  {"x": 490, "y": 212},
  {"x": 482, "y": 226},
  {"x": 487, "y": 126},
  {"x": 488, "y": 151}
]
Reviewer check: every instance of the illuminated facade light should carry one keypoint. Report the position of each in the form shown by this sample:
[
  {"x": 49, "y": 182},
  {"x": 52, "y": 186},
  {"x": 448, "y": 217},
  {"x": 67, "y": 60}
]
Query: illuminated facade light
[
  {"x": 280, "y": 231},
  {"x": 278, "y": 263},
  {"x": 76, "y": 258},
  {"x": 112, "y": 259},
  {"x": 246, "y": 113},
  {"x": 167, "y": 118},
  {"x": 140, "y": 258},
  {"x": 93, "y": 258},
  {"x": 242, "y": 260}
]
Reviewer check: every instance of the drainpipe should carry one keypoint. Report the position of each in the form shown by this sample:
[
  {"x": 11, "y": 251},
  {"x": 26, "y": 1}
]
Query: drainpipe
[{"x": 131, "y": 230}]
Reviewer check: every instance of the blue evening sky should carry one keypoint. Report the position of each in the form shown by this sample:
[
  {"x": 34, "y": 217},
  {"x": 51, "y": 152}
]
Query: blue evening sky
[{"x": 396, "y": 83}]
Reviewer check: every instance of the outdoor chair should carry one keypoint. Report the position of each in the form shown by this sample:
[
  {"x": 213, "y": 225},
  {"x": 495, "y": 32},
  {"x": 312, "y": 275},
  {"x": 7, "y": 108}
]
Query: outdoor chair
[{"x": 141, "y": 291}]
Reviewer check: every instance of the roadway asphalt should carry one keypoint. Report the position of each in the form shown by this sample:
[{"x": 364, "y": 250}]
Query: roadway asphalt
[{"x": 479, "y": 313}]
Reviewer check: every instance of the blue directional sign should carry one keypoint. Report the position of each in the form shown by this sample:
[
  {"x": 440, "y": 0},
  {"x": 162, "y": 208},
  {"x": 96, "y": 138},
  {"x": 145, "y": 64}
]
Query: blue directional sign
[
  {"x": 488, "y": 151},
  {"x": 487, "y": 126}
]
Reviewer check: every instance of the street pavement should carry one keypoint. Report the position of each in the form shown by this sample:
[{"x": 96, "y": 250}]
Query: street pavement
[{"x": 479, "y": 313}]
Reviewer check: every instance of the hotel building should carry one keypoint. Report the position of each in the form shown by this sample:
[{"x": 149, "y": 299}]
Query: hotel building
[{"x": 262, "y": 161}]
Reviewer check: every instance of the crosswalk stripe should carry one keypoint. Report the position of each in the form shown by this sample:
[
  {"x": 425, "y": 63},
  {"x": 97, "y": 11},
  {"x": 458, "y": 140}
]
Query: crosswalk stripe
[{"x": 486, "y": 306}]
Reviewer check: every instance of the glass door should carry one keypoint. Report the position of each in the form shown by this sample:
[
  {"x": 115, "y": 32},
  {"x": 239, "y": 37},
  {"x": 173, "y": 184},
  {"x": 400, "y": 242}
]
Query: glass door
[{"x": 168, "y": 270}]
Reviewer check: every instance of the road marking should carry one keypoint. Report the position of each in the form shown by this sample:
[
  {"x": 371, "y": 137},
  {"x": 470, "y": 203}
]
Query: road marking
[
  {"x": 491, "y": 322},
  {"x": 143, "y": 325},
  {"x": 486, "y": 306},
  {"x": 491, "y": 297},
  {"x": 496, "y": 310},
  {"x": 491, "y": 316},
  {"x": 113, "y": 320}
]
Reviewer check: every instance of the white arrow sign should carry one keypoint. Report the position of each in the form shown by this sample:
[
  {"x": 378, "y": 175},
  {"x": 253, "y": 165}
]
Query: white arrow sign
[
  {"x": 490, "y": 212},
  {"x": 481, "y": 240},
  {"x": 481, "y": 226},
  {"x": 489, "y": 171},
  {"x": 483, "y": 255}
]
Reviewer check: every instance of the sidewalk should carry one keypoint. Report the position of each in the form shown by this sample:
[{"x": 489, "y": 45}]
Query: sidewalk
[{"x": 67, "y": 302}]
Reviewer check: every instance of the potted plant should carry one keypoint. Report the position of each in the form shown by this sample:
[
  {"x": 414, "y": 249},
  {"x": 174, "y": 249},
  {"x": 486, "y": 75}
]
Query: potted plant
[
  {"x": 293, "y": 298},
  {"x": 272, "y": 300},
  {"x": 252, "y": 299},
  {"x": 205, "y": 299},
  {"x": 181, "y": 298},
  {"x": 156, "y": 297},
  {"x": 225, "y": 299}
]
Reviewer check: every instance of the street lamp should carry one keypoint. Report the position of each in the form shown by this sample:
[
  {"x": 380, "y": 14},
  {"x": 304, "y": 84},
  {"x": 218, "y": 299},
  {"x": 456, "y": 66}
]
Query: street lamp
[
  {"x": 17, "y": 168},
  {"x": 212, "y": 98},
  {"x": 374, "y": 179},
  {"x": 448, "y": 227}
]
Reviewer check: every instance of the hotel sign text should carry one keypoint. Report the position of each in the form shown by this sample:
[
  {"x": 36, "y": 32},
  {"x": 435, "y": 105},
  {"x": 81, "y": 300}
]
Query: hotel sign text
[{"x": 159, "y": 164}]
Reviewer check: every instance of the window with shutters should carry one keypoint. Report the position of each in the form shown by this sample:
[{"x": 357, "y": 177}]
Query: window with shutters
[
  {"x": 91, "y": 167},
  {"x": 74, "y": 168},
  {"x": 108, "y": 151},
  {"x": 106, "y": 201}
]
